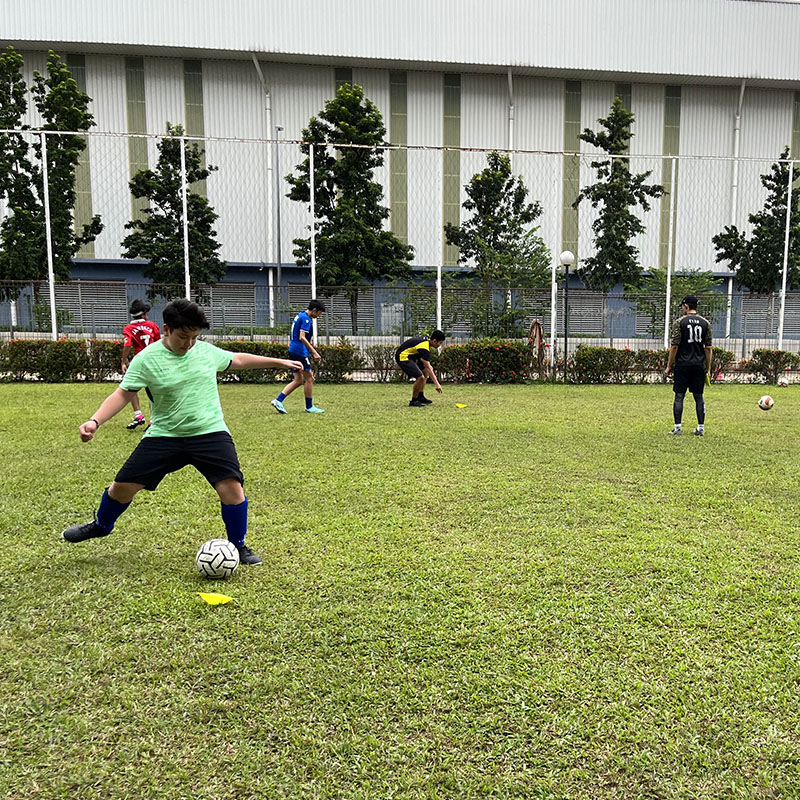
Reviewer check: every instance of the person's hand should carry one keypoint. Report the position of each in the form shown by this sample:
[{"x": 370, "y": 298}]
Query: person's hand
[
  {"x": 88, "y": 430},
  {"x": 317, "y": 357},
  {"x": 124, "y": 367},
  {"x": 294, "y": 365},
  {"x": 439, "y": 388},
  {"x": 667, "y": 371}
]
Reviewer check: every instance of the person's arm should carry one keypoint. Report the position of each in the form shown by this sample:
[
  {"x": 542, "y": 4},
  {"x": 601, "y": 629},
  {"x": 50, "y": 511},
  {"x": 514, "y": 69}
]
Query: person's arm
[
  {"x": 428, "y": 370},
  {"x": 112, "y": 405},
  {"x": 673, "y": 353},
  {"x": 709, "y": 356},
  {"x": 250, "y": 361},
  {"x": 310, "y": 346},
  {"x": 125, "y": 352}
]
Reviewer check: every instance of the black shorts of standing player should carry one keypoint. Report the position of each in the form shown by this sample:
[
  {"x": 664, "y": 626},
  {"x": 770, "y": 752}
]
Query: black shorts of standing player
[
  {"x": 212, "y": 454},
  {"x": 302, "y": 359},
  {"x": 410, "y": 367},
  {"x": 691, "y": 378}
]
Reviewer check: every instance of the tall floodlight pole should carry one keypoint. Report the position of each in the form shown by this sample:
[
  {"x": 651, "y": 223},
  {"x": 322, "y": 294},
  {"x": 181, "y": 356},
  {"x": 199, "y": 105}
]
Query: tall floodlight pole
[
  {"x": 313, "y": 231},
  {"x": 785, "y": 253},
  {"x": 553, "y": 312},
  {"x": 51, "y": 278},
  {"x": 185, "y": 215},
  {"x": 567, "y": 259}
]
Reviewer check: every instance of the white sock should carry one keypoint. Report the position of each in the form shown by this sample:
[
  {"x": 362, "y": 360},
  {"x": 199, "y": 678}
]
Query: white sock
[
  {"x": 138, "y": 414},
  {"x": 677, "y": 426},
  {"x": 701, "y": 426}
]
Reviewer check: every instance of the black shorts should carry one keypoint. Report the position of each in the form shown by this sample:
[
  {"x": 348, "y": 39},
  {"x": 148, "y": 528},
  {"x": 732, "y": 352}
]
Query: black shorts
[
  {"x": 411, "y": 368},
  {"x": 691, "y": 378},
  {"x": 302, "y": 359},
  {"x": 212, "y": 454}
]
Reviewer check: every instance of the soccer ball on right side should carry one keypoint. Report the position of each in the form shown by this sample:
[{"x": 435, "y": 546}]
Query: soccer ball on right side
[
  {"x": 766, "y": 403},
  {"x": 783, "y": 381},
  {"x": 217, "y": 558}
]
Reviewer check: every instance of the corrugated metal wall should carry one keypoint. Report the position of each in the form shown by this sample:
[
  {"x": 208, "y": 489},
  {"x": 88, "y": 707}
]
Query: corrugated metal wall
[{"x": 670, "y": 37}]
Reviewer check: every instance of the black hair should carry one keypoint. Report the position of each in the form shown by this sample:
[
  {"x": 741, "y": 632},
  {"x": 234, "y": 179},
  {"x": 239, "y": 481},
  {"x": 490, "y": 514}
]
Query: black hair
[
  {"x": 184, "y": 313},
  {"x": 139, "y": 307},
  {"x": 691, "y": 301},
  {"x": 438, "y": 335},
  {"x": 316, "y": 305}
]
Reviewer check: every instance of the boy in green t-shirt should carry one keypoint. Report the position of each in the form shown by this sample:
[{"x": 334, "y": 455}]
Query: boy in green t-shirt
[{"x": 180, "y": 375}]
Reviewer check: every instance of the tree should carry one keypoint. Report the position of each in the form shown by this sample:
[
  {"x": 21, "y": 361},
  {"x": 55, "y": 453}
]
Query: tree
[
  {"x": 758, "y": 260},
  {"x": 352, "y": 248},
  {"x": 23, "y": 243},
  {"x": 498, "y": 243},
  {"x": 616, "y": 260},
  {"x": 158, "y": 237},
  {"x": 651, "y": 292}
]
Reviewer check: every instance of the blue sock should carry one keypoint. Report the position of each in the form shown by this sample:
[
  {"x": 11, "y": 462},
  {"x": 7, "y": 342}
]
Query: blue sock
[
  {"x": 309, "y": 402},
  {"x": 109, "y": 511},
  {"x": 235, "y": 519},
  {"x": 281, "y": 397}
]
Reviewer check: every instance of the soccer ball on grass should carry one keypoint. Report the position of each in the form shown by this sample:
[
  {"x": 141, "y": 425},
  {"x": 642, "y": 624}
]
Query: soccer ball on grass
[
  {"x": 766, "y": 403},
  {"x": 783, "y": 381},
  {"x": 217, "y": 558}
]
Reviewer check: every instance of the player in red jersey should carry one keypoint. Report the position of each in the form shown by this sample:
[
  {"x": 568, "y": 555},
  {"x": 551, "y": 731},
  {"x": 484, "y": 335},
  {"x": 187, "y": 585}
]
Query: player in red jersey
[{"x": 137, "y": 334}]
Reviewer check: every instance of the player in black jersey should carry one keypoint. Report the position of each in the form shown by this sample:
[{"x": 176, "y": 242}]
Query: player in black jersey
[
  {"x": 414, "y": 358},
  {"x": 690, "y": 355}
]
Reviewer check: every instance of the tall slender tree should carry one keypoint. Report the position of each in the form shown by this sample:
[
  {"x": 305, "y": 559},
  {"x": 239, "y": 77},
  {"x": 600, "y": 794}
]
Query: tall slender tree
[
  {"x": 616, "y": 192},
  {"x": 352, "y": 247},
  {"x": 158, "y": 237},
  {"x": 757, "y": 260},
  {"x": 63, "y": 107}
]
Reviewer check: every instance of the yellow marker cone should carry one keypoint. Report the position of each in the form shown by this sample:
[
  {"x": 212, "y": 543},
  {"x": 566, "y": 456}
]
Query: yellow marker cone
[
  {"x": 215, "y": 599},
  {"x": 461, "y": 405}
]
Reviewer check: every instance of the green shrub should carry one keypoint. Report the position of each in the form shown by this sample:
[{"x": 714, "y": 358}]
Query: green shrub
[
  {"x": 22, "y": 358},
  {"x": 650, "y": 361},
  {"x": 769, "y": 364},
  {"x": 487, "y": 360},
  {"x": 339, "y": 361},
  {"x": 602, "y": 365},
  {"x": 104, "y": 359},
  {"x": 269, "y": 349},
  {"x": 380, "y": 360},
  {"x": 722, "y": 362}
]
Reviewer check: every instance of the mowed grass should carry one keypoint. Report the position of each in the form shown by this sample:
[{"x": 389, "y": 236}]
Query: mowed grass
[{"x": 539, "y": 595}]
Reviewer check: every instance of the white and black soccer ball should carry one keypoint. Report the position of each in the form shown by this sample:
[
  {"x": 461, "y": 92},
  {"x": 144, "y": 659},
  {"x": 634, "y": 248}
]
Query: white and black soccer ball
[
  {"x": 766, "y": 403},
  {"x": 783, "y": 381},
  {"x": 217, "y": 558}
]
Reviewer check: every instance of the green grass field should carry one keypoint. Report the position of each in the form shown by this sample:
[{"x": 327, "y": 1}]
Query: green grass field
[{"x": 540, "y": 595}]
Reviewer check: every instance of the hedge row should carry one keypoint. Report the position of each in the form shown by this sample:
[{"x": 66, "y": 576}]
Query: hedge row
[
  {"x": 70, "y": 360},
  {"x": 478, "y": 361}
]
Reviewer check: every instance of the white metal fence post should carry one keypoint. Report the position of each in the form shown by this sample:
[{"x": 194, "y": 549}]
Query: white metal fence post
[
  {"x": 185, "y": 213},
  {"x": 312, "y": 189},
  {"x": 51, "y": 278},
  {"x": 670, "y": 254},
  {"x": 439, "y": 296},
  {"x": 785, "y": 253},
  {"x": 553, "y": 300}
]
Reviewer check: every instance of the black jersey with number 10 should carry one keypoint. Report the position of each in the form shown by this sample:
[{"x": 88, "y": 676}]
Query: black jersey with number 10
[{"x": 691, "y": 334}]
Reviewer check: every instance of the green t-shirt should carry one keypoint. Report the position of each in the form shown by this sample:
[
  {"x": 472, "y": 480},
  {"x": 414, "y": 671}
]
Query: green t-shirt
[{"x": 183, "y": 389}]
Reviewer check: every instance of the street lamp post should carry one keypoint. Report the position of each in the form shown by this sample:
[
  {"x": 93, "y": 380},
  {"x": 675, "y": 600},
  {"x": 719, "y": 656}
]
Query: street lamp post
[{"x": 567, "y": 260}]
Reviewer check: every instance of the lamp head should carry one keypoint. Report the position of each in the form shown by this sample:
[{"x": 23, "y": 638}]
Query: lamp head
[{"x": 567, "y": 259}]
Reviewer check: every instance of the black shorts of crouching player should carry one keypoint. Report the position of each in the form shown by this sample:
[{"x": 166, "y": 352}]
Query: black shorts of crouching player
[
  {"x": 212, "y": 454},
  {"x": 692, "y": 378},
  {"x": 410, "y": 367}
]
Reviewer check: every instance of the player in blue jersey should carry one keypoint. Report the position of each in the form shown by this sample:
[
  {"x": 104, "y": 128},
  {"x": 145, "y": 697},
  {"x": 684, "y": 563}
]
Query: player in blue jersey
[{"x": 300, "y": 347}]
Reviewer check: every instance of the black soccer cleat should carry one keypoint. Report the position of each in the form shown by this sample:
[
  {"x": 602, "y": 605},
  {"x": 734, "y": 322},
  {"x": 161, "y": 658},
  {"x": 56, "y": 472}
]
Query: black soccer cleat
[
  {"x": 247, "y": 556},
  {"x": 424, "y": 400},
  {"x": 698, "y": 432},
  {"x": 80, "y": 533},
  {"x": 416, "y": 404},
  {"x": 137, "y": 421}
]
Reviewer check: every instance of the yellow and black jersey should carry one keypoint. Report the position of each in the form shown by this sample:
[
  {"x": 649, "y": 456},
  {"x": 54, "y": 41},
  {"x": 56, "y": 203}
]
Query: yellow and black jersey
[{"x": 414, "y": 349}]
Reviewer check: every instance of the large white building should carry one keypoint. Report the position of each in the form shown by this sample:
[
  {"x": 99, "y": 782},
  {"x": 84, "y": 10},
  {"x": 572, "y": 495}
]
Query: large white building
[{"x": 715, "y": 78}]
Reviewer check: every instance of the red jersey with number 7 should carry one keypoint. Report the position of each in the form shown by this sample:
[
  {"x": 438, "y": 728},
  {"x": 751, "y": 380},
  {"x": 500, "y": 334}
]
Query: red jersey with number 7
[{"x": 140, "y": 333}]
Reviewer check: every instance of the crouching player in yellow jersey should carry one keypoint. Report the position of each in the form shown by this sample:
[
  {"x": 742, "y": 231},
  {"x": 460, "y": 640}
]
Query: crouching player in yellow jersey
[
  {"x": 414, "y": 358},
  {"x": 180, "y": 375}
]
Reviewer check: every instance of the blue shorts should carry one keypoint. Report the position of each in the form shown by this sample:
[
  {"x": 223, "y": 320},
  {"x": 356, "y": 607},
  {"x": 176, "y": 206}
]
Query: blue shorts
[{"x": 302, "y": 359}]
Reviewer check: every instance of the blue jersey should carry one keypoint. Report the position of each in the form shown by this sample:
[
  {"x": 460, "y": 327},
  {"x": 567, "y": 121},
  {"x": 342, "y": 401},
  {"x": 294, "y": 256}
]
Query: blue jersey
[{"x": 302, "y": 322}]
